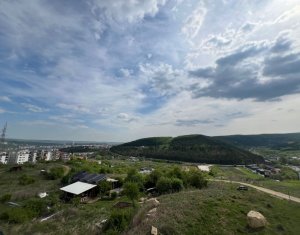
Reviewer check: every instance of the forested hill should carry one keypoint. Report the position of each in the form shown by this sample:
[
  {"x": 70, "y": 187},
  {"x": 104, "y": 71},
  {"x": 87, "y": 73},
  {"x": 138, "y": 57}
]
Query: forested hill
[
  {"x": 188, "y": 148},
  {"x": 274, "y": 141}
]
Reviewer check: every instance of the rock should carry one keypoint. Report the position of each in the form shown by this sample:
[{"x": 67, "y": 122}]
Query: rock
[
  {"x": 142, "y": 200},
  {"x": 153, "y": 201},
  {"x": 152, "y": 212},
  {"x": 154, "y": 230},
  {"x": 256, "y": 219}
]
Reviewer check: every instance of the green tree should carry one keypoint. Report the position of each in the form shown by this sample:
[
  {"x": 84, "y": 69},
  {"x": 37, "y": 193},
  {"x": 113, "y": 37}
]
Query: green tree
[
  {"x": 55, "y": 173},
  {"x": 176, "y": 184},
  {"x": 131, "y": 190},
  {"x": 104, "y": 187},
  {"x": 196, "y": 179},
  {"x": 164, "y": 185}
]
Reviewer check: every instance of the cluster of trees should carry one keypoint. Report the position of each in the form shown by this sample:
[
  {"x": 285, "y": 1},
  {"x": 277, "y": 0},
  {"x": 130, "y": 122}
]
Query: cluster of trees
[
  {"x": 192, "y": 148},
  {"x": 170, "y": 181}
]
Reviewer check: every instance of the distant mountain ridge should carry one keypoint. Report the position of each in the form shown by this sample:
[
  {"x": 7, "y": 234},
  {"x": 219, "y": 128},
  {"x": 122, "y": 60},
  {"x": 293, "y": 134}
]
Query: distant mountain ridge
[
  {"x": 290, "y": 141},
  {"x": 188, "y": 148}
]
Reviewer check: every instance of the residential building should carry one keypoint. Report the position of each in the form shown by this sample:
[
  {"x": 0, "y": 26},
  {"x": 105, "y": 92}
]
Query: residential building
[{"x": 4, "y": 158}]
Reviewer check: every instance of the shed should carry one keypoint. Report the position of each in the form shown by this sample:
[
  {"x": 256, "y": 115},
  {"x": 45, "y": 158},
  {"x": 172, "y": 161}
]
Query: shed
[{"x": 80, "y": 189}]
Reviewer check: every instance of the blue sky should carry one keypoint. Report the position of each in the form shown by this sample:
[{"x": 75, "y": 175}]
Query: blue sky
[{"x": 120, "y": 70}]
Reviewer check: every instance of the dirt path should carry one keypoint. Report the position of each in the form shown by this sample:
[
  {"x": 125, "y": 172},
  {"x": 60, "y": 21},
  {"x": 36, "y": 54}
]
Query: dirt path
[{"x": 265, "y": 190}]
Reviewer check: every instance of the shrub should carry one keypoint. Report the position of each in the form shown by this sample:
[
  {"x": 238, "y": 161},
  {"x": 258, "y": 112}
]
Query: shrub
[
  {"x": 113, "y": 195},
  {"x": 55, "y": 173},
  {"x": 26, "y": 179},
  {"x": 5, "y": 198},
  {"x": 119, "y": 220},
  {"x": 176, "y": 184},
  {"x": 36, "y": 207},
  {"x": 196, "y": 179},
  {"x": 164, "y": 185},
  {"x": 131, "y": 190},
  {"x": 16, "y": 215},
  {"x": 104, "y": 187}
]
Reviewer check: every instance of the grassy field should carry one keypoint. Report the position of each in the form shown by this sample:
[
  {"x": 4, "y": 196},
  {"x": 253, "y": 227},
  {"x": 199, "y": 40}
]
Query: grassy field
[
  {"x": 290, "y": 187},
  {"x": 220, "y": 209}
]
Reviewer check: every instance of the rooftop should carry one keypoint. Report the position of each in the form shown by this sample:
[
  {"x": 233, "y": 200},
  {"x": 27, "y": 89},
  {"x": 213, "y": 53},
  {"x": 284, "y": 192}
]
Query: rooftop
[{"x": 78, "y": 188}]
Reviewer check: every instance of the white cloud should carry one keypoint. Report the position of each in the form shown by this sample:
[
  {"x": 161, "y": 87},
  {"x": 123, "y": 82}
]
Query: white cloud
[
  {"x": 194, "y": 22},
  {"x": 130, "y": 11},
  {"x": 5, "y": 99},
  {"x": 34, "y": 108}
]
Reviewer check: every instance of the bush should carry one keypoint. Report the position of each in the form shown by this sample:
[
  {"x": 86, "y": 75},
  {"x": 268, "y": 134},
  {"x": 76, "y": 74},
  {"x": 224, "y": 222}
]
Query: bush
[
  {"x": 55, "y": 173},
  {"x": 176, "y": 184},
  {"x": 113, "y": 195},
  {"x": 16, "y": 215},
  {"x": 36, "y": 207},
  {"x": 131, "y": 190},
  {"x": 5, "y": 198},
  {"x": 164, "y": 185},
  {"x": 104, "y": 187},
  {"x": 119, "y": 220},
  {"x": 26, "y": 179},
  {"x": 196, "y": 179}
]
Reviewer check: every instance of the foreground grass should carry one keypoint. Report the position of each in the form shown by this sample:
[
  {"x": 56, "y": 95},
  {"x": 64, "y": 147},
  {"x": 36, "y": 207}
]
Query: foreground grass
[{"x": 220, "y": 209}]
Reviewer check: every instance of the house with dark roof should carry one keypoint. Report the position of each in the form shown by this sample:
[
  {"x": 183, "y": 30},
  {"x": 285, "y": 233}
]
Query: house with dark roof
[{"x": 90, "y": 178}]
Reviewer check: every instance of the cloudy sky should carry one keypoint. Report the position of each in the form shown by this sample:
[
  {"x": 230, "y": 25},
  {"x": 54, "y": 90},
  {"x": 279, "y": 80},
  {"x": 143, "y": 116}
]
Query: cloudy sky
[{"x": 120, "y": 70}]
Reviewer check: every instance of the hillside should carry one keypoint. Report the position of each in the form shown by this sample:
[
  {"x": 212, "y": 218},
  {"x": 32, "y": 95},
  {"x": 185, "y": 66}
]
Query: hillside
[
  {"x": 274, "y": 141},
  {"x": 218, "y": 209},
  {"x": 189, "y": 148}
]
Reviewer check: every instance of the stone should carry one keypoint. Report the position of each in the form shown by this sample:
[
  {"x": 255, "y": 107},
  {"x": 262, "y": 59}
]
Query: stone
[
  {"x": 256, "y": 219},
  {"x": 154, "y": 230},
  {"x": 153, "y": 201}
]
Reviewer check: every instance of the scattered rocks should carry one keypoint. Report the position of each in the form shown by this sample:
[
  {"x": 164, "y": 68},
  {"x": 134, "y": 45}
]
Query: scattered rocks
[
  {"x": 152, "y": 212},
  {"x": 256, "y": 220},
  {"x": 153, "y": 201},
  {"x": 154, "y": 230}
]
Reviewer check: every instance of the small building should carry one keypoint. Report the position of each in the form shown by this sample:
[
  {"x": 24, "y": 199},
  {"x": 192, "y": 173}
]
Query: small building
[
  {"x": 86, "y": 177},
  {"x": 79, "y": 189}
]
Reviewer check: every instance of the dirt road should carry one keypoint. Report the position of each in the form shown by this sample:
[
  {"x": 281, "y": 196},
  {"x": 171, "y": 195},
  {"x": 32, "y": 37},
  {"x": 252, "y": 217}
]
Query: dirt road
[{"x": 265, "y": 190}]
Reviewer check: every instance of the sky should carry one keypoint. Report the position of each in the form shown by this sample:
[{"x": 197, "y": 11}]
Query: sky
[{"x": 101, "y": 70}]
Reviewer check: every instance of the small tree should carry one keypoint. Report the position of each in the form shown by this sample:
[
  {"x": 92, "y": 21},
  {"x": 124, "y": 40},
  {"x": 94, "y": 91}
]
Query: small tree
[
  {"x": 131, "y": 190},
  {"x": 196, "y": 179},
  {"x": 177, "y": 185},
  {"x": 104, "y": 187},
  {"x": 164, "y": 185}
]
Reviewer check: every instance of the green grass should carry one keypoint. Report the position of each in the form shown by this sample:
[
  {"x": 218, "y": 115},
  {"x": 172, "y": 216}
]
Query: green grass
[
  {"x": 290, "y": 187},
  {"x": 220, "y": 209}
]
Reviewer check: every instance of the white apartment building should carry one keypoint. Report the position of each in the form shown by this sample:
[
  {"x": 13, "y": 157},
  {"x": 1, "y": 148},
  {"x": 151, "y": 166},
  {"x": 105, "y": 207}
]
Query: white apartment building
[
  {"x": 32, "y": 157},
  {"x": 48, "y": 156},
  {"x": 22, "y": 156},
  {"x": 3, "y": 158}
]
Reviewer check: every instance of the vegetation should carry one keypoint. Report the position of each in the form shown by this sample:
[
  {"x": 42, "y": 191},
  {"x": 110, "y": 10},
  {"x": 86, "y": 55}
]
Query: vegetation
[
  {"x": 131, "y": 190},
  {"x": 191, "y": 148},
  {"x": 273, "y": 141},
  {"x": 219, "y": 209},
  {"x": 55, "y": 173},
  {"x": 26, "y": 179}
]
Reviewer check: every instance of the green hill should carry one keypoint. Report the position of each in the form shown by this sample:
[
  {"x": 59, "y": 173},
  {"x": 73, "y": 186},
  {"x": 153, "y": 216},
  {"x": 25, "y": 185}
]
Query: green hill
[
  {"x": 188, "y": 148},
  {"x": 275, "y": 141}
]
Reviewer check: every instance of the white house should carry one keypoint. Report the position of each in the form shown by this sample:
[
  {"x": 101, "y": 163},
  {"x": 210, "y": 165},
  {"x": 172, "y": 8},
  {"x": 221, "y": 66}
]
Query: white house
[{"x": 3, "y": 158}]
